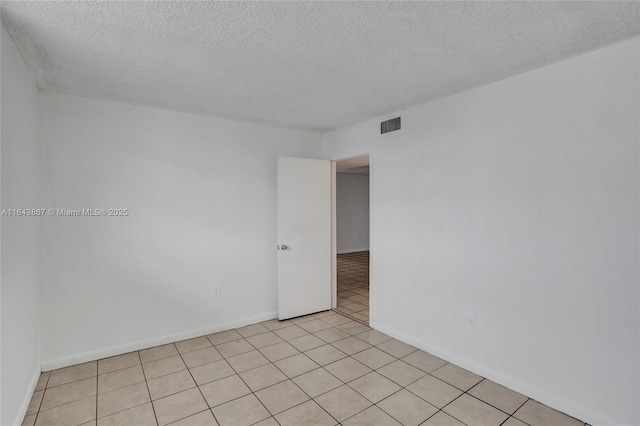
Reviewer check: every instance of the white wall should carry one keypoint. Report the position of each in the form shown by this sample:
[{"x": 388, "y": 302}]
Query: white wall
[
  {"x": 19, "y": 293},
  {"x": 517, "y": 201},
  {"x": 352, "y": 212},
  {"x": 202, "y": 199}
]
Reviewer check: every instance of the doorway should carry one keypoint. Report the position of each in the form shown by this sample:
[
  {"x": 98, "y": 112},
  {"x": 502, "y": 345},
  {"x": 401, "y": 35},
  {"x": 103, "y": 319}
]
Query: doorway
[{"x": 352, "y": 241}]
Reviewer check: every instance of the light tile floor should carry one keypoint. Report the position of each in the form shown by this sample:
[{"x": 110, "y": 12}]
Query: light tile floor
[
  {"x": 321, "y": 369},
  {"x": 353, "y": 285}
]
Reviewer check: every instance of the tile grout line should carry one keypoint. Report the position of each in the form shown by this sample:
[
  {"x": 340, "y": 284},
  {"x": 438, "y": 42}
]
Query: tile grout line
[
  {"x": 196, "y": 383},
  {"x": 290, "y": 379},
  {"x": 298, "y": 324},
  {"x": 97, "y": 376},
  {"x": 153, "y": 407}
]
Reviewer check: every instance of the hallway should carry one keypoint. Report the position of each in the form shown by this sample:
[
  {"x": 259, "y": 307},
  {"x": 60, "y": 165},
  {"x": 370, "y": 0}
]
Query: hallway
[{"x": 353, "y": 285}]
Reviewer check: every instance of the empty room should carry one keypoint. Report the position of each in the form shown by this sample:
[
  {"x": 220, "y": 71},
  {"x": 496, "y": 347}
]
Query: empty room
[{"x": 320, "y": 213}]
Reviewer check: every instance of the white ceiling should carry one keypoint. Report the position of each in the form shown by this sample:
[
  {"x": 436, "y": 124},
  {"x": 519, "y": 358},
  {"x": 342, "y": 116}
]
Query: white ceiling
[{"x": 307, "y": 65}]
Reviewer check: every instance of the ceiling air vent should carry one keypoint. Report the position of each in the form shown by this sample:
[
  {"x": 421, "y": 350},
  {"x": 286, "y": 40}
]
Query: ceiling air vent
[{"x": 390, "y": 125}]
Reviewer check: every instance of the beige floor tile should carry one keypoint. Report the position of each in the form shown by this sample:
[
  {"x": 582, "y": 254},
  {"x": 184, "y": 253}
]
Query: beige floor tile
[
  {"x": 252, "y": 330},
  {"x": 119, "y": 362},
  {"x": 373, "y": 337},
  {"x": 170, "y": 384},
  {"x": 351, "y": 345},
  {"x": 271, "y": 421},
  {"x": 401, "y": 373},
  {"x": 372, "y": 416},
  {"x": 353, "y": 328},
  {"x": 442, "y": 419},
  {"x": 36, "y": 401},
  {"x": 29, "y": 420},
  {"x": 353, "y": 306},
  {"x": 326, "y": 354},
  {"x": 290, "y": 333},
  {"x": 512, "y": 421},
  {"x": 224, "y": 390},
  {"x": 120, "y": 378},
  {"x": 314, "y": 325},
  {"x": 265, "y": 339},
  {"x": 358, "y": 298},
  {"x": 434, "y": 391},
  {"x": 317, "y": 382},
  {"x": 234, "y": 348},
  {"x": 331, "y": 334},
  {"x": 243, "y": 411},
  {"x": 324, "y": 314},
  {"x": 374, "y": 387},
  {"x": 179, "y": 406},
  {"x": 42, "y": 381},
  {"x": 121, "y": 399},
  {"x": 75, "y": 413},
  {"x": 347, "y": 369},
  {"x": 373, "y": 358},
  {"x": 362, "y": 316},
  {"x": 162, "y": 367},
  {"x": 336, "y": 319},
  {"x": 73, "y": 373},
  {"x": 499, "y": 396},
  {"x": 90, "y": 423},
  {"x": 304, "y": 318},
  {"x": 276, "y": 324},
  {"x": 282, "y": 396},
  {"x": 424, "y": 361},
  {"x": 536, "y": 414},
  {"x": 470, "y": 410},
  {"x": 407, "y": 408},
  {"x": 342, "y": 309},
  {"x": 224, "y": 337},
  {"x": 262, "y": 377},
  {"x": 456, "y": 376},
  {"x": 307, "y": 342},
  {"x": 396, "y": 348},
  {"x": 247, "y": 361},
  {"x": 201, "y": 356},
  {"x": 194, "y": 344},
  {"x": 158, "y": 352},
  {"x": 278, "y": 351},
  {"x": 308, "y": 413},
  {"x": 203, "y": 418},
  {"x": 213, "y": 371},
  {"x": 296, "y": 365},
  {"x": 69, "y": 392},
  {"x": 342, "y": 402},
  {"x": 142, "y": 415}
]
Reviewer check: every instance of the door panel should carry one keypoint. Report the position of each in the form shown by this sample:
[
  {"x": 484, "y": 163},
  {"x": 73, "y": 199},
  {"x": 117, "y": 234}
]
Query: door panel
[{"x": 304, "y": 236}]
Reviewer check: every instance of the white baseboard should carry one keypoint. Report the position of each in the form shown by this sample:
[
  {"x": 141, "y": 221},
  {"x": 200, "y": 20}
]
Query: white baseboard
[
  {"x": 148, "y": 343},
  {"x": 27, "y": 398},
  {"x": 533, "y": 392},
  {"x": 352, "y": 250}
]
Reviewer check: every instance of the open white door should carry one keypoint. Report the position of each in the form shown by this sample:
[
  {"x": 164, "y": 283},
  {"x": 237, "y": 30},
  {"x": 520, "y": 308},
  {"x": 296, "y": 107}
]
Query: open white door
[{"x": 304, "y": 236}]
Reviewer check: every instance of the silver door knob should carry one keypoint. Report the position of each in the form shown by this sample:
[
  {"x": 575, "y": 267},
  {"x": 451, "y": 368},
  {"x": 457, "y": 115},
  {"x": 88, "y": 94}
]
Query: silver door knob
[{"x": 283, "y": 247}]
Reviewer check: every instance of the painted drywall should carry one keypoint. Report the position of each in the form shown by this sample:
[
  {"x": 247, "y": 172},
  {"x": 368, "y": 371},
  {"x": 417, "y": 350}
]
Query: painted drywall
[
  {"x": 20, "y": 189},
  {"x": 352, "y": 212},
  {"x": 517, "y": 202},
  {"x": 201, "y": 200}
]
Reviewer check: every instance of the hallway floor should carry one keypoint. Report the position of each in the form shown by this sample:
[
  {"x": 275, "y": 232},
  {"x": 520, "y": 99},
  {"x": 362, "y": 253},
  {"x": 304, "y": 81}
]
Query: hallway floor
[
  {"x": 353, "y": 285},
  {"x": 321, "y": 369}
]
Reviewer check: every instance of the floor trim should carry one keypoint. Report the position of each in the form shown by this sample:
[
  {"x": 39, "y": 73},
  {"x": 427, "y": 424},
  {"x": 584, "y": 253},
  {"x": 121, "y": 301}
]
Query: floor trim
[
  {"x": 22, "y": 412},
  {"x": 149, "y": 343}
]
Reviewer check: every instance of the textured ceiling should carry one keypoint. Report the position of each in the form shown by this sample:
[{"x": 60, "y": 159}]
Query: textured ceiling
[{"x": 307, "y": 65}]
